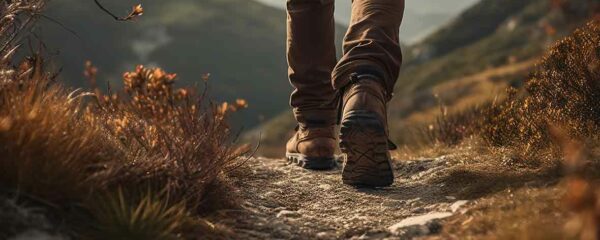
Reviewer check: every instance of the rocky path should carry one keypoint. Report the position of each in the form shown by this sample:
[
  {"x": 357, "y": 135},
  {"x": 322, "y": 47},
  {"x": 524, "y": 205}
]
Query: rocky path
[{"x": 286, "y": 202}]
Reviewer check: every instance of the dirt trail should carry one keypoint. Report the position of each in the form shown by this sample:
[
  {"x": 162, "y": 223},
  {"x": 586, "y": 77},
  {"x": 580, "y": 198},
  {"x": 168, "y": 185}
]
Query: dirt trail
[{"x": 286, "y": 202}]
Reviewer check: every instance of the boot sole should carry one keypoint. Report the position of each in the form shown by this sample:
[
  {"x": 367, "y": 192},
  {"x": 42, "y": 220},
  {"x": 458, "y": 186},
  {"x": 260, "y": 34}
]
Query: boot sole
[
  {"x": 311, "y": 163},
  {"x": 365, "y": 143}
]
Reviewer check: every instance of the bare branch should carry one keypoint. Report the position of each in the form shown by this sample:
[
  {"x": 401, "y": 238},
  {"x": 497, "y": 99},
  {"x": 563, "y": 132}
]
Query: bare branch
[{"x": 135, "y": 12}]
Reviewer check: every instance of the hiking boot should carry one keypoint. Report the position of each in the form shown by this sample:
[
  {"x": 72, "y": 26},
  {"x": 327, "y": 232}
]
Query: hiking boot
[
  {"x": 364, "y": 134},
  {"x": 312, "y": 148}
]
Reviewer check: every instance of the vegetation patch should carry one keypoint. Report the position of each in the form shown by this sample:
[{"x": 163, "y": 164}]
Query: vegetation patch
[
  {"x": 526, "y": 143},
  {"x": 563, "y": 92},
  {"x": 138, "y": 163}
]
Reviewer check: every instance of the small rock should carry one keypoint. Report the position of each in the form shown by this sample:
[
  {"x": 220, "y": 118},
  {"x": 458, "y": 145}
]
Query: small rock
[
  {"x": 431, "y": 227},
  {"x": 412, "y": 232},
  {"x": 374, "y": 235},
  {"x": 418, "y": 220},
  {"x": 325, "y": 235},
  {"x": 269, "y": 195},
  {"x": 457, "y": 205},
  {"x": 418, "y": 210},
  {"x": 325, "y": 187},
  {"x": 363, "y": 237},
  {"x": 288, "y": 214},
  {"x": 280, "y": 183}
]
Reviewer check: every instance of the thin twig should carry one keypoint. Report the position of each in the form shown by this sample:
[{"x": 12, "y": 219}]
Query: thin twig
[
  {"x": 243, "y": 162},
  {"x": 106, "y": 10},
  {"x": 129, "y": 17},
  {"x": 52, "y": 20}
]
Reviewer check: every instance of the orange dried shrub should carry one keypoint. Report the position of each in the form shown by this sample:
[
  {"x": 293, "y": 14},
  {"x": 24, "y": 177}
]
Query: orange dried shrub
[{"x": 177, "y": 135}]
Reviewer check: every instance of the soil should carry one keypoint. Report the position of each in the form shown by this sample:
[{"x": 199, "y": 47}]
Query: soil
[
  {"x": 286, "y": 202},
  {"x": 463, "y": 192}
]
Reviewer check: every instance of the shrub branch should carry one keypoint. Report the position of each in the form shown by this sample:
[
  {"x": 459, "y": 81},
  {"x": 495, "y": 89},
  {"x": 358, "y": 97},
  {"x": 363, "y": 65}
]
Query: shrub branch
[{"x": 135, "y": 12}]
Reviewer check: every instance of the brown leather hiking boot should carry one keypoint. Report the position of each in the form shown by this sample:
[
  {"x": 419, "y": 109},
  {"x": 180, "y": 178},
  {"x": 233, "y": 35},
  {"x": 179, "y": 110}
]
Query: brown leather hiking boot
[
  {"x": 364, "y": 134},
  {"x": 313, "y": 148}
]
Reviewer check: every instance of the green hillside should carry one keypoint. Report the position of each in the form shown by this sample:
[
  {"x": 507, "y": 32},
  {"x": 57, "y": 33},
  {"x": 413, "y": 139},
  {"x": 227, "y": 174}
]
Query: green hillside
[
  {"x": 492, "y": 34},
  {"x": 475, "y": 23},
  {"x": 240, "y": 43},
  {"x": 487, "y": 35}
]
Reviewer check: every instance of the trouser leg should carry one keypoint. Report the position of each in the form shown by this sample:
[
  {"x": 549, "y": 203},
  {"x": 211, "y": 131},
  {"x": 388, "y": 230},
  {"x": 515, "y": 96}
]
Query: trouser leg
[
  {"x": 371, "y": 44},
  {"x": 311, "y": 58}
]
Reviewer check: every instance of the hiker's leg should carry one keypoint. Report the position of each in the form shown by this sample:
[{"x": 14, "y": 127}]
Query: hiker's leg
[
  {"x": 367, "y": 74},
  {"x": 311, "y": 58},
  {"x": 371, "y": 45}
]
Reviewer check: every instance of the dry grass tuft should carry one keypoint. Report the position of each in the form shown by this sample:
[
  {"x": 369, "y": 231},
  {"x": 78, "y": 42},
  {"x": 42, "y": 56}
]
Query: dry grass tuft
[
  {"x": 47, "y": 148},
  {"x": 138, "y": 217}
]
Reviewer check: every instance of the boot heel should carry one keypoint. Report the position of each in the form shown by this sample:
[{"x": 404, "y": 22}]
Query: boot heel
[{"x": 365, "y": 143}]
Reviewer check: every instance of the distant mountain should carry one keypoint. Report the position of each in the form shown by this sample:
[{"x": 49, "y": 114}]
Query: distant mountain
[
  {"x": 421, "y": 17},
  {"x": 240, "y": 42},
  {"x": 489, "y": 34}
]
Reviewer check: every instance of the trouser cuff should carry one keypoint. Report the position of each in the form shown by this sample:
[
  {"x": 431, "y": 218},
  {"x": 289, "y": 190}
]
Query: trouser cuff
[{"x": 342, "y": 76}]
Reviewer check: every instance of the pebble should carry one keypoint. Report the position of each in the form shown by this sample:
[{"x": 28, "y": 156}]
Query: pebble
[
  {"x": 418, "y": 220},
  {"x": 374, "y": 235},
  {"x": 268, "y": 194},
  {"x": 288, "y": 214},
  {"x": 418, "y": 210},
  {"x": 325, "y": 235},
  {"x": 450, "y": 198},
  {"x": 431, "y": 227},
  {"x": 457, "y": 205},
  {"x": 364, "y": 236}
]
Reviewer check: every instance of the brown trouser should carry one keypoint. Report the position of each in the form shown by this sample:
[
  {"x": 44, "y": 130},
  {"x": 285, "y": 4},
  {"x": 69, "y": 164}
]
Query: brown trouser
[{"x": 371, "y": 46}]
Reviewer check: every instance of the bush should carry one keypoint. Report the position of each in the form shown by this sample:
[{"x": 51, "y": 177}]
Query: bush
[
  {"x": 122, "y": 165},
  {"x": 564, "y": 91},
  {"x": 57, "y": 147}
]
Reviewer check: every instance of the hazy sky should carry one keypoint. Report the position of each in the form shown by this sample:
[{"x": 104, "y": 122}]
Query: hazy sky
[{"x": 420, "y": 14}]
